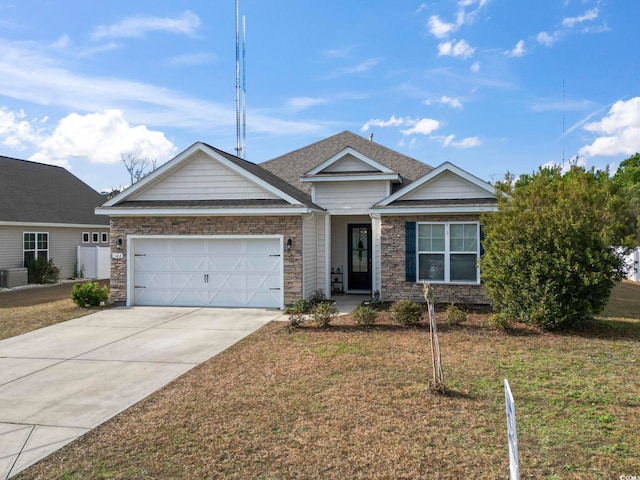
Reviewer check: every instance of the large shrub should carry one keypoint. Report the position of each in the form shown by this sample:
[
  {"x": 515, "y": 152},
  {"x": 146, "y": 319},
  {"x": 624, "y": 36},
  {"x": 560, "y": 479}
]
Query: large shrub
[
  {"x": 42, "y": 270},
  {"x": 549, "y": 252},
  {"x": 364, "y": 316},
  {"x": 89, "y": 294},
  {"x": 322, "y": 313}
]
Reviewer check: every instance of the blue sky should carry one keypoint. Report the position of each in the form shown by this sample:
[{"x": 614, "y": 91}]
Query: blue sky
[{"x": 490, "y": 85}]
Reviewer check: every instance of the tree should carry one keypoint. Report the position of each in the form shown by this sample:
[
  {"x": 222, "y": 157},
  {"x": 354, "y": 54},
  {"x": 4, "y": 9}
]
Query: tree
[
  {"x": 627, "y": 184},
  {"x": 550, "y": 256},
  {"x": 136, "y": 167}
]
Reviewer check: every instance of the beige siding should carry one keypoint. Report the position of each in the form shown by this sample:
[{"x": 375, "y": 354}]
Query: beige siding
[
  {"x": 62, "y": 246},
  {"x": 10, "y": 247},
  {"x": 204, "y": 178},
  {"x": 349, "y": 163},
  {"x": 346, "y": 197},
  {"x": 447, "y": 186}
]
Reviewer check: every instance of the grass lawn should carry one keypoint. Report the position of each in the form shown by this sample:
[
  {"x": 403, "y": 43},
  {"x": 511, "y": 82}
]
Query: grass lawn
[{"x": 352, "y": 403}]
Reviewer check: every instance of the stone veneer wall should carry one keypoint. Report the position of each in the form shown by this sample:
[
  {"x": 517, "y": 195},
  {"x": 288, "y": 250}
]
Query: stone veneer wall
[
  {"x": 394, "y": 285},
  {"x": 287, "y": 226}
]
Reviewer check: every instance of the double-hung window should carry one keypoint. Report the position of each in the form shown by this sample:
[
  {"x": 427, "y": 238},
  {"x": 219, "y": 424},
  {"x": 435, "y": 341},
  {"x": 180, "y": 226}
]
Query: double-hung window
[
  {"x": 35, "y": 245},
  {"x": 448, "y": 252}
]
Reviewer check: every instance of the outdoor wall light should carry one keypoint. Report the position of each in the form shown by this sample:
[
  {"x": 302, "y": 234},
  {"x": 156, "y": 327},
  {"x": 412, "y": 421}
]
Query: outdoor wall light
[
  {"x": 119, "y": 243},
  {"x": 289, "y": 244}
]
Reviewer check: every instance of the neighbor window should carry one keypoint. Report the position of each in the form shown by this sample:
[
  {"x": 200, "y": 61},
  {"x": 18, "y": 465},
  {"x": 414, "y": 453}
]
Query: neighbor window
[
  {"x": 95, "y": 237},
  {"x": 104, "y": 237},
  {"x": 36, "y": 244},
  {"x": 448, "y": 252},
  {"x": 85, "y": 237}
]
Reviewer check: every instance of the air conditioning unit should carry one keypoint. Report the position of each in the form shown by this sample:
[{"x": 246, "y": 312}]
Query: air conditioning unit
[{"x": 13, "y": 277}]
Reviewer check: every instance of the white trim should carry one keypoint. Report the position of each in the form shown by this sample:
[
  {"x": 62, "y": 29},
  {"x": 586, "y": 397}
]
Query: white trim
[
  {"x": 434, "y": 210},
  {"x": 88, "y": 235},
  {"x": 52, "y": 225},
  {"x": 345, "y": 152},
  {"x": 104, "y": 237},
  {"x": 201, "y": 212},
  {"x": 36, "y": 249},
  {"x": 131, "y": 239},
  {"x": 351, "y": 178},
  {"x": 327, "y": 255},
  {"x": 95, "y": 237},
  {"x": 181, "y": 157},
  {"x": 445, "y": 167}
]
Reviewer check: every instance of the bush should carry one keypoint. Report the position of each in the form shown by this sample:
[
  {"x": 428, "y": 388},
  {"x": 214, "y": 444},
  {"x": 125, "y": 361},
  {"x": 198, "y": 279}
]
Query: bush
[
  {"x": 89, "y": 294},
  {"x": 454, "y": 315},
  {"x": 406, "y": 312},
  {"x": 297, "y": 313},
  {"x": 322, "y": 313},
  {"x": 498, "y": 321},
  {"x": 42, "y": 270},
  {"x": 365, "y": 316}
]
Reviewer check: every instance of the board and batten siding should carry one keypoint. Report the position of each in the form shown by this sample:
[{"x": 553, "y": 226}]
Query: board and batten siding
[
  {"x": 447, "y": 186},
  {"x": 349, "y": 163},
  {"x": 313, "y": 257},
  {"x": 204, "y": 178},
  {"x": 350, "y": 197}
]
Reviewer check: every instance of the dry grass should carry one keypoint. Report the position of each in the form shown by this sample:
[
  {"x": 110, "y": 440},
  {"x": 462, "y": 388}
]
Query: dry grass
[
  {"x": 22, "y": 311},
  {"x": 350, "y": 402}
]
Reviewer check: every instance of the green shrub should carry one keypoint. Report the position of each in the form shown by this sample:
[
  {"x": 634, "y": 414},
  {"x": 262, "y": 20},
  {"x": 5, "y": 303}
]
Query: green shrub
[
  {"x": 365, "y": 316},
  {"x": 42, "y": 270},
  {"x": 498, "y": 321},
  {"x": 406, "y": 312},
  {"x": 322, "y": 313},
  {"x": 89, "y": 294},
  {"x": 455, "y": 315},
  {"x": 297, "y": 313}
]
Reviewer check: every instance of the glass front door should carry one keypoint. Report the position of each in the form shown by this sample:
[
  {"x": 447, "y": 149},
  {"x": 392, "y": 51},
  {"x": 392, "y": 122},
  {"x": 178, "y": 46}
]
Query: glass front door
[{"x": 359, "y": 275}]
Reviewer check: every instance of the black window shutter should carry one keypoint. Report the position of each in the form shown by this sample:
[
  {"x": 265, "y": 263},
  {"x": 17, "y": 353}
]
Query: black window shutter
[
  {"x": 410, "y": 248},
  {"x": 481, "y": 240}
]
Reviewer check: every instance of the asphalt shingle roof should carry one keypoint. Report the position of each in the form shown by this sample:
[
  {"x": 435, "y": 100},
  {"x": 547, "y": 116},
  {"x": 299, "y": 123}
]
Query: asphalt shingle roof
[
  {"x": 32, "y": 192},
  {"x": 291, "y": 166}
]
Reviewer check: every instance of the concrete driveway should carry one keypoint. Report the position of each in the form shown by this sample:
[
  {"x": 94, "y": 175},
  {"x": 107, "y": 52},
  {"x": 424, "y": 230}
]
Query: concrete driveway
[{"x": 59, "y": 382}]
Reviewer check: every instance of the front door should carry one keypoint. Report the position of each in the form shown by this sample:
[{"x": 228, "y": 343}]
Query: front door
[{"x": 359, "y": 275}]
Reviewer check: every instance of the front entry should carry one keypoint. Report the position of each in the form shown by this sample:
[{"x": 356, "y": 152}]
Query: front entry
[{"x": 359, "y": 274}]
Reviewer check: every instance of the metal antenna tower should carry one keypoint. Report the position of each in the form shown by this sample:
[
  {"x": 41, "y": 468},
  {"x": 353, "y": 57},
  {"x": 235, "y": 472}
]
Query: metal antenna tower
[
  {"x": 238, "y": 146},
  {"x": 244, "y": 90}
]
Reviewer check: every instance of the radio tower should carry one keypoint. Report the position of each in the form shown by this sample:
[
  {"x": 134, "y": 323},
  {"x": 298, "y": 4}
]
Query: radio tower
[
  {"x": 238, "y": 146},
  {"x": 244, "y": 91}
]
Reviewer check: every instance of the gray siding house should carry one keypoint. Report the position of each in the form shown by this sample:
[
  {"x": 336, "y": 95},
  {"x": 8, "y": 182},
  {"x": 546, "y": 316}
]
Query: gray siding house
[
  {"x": 45, "y": 211},
  {"x": 342, "y": 215}
]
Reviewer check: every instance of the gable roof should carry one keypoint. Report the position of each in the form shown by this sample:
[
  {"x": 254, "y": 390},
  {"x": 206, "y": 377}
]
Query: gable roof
[
  {"x": 33, "y": 192},
  {"x": 292, "y": 166},
  {"x": 287, "y": 195}
]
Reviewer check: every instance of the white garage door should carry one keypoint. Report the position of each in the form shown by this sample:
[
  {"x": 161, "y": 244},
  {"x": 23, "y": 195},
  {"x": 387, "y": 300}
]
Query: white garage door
[{"x": 212, "y": 272}]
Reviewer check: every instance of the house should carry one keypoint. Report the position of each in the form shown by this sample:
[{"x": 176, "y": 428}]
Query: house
[
  {"x": 45, "y": 211},
  {"x": 342, "y": 215}
]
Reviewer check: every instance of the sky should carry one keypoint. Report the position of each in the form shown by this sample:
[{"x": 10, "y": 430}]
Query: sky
[{"x": 489, "y": 85}]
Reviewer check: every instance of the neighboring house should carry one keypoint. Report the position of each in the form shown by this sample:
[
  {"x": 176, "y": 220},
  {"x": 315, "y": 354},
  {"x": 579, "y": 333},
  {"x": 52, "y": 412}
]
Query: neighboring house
[
  {"x": 344, "y": 214},
  {"x": 45, "y": 211}
]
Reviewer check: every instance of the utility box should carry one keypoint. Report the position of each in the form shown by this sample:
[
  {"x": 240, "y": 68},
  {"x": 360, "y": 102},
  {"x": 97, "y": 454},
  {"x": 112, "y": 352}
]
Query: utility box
[{"x": 13, "y": 277}]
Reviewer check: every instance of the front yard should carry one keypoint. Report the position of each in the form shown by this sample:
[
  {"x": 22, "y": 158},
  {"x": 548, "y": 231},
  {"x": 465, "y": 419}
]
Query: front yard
[{"x": 350, "y": 402}]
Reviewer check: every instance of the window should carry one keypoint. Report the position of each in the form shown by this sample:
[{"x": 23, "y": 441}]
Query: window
[
  {"x": 35, "y": 245},
  {"x": 85, "y": 237},
  {"x": 448, "y": 252},
  {"x": 104, "y": 237},
  {"x": 95, "y": 237}
]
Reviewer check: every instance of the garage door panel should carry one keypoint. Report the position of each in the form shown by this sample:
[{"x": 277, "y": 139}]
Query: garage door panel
[{"x": 230, "y": 272}]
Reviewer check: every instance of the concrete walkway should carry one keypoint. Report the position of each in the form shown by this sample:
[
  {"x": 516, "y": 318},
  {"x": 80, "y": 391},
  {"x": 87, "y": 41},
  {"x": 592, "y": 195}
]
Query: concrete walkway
[{"x": 59, "y": 382}]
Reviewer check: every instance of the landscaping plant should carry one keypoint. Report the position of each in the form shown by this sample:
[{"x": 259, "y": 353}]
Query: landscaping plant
[
  {"x": 89, "y": 294},
  {"x": 454, "y": 315},
  {"x": 322, "y": 313},
  {"x": 364, "y": 316},
  {"x": 42, "y": 270},
  {"x": 405, "y": 312}
]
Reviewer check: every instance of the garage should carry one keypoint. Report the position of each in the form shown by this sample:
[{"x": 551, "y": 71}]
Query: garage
[{"x": 228, "y": 271}]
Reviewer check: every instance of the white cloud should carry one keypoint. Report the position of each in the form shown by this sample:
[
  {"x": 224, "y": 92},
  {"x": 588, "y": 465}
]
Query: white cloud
[
  {"x": 424, "y": 127},
  {"x": 16, "y": 132},
  {"x": 392, "y": 122},
  {"x": 138, "y": 26},
  {"x": 475, "y": 68},
  {"x": 589, "y": 15},
  {"x": 546, "y": 39},
  {"x": 102, "y": 138},
  {"x": 361, "y": 67},
  {"x": 619, "y": 130},
  {"x": 452, "y": 102},
  {"x": 302, "y": 103},
  {"x": 448, "y": 141},
  {"x": 440, "y": 29},
  {"x": 518, "y": 50},
  {"x": 455, "y": 49}
]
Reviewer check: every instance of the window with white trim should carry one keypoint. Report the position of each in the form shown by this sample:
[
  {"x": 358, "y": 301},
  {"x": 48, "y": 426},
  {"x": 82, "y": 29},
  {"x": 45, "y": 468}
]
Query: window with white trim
[
  {"x": 104, "y": 237},
  {"x": 448, "y": 252},
  {"x": 35, "y": 245},
  {"x": 85, "y": 237},
  {"x": 95, "y": 237}
]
